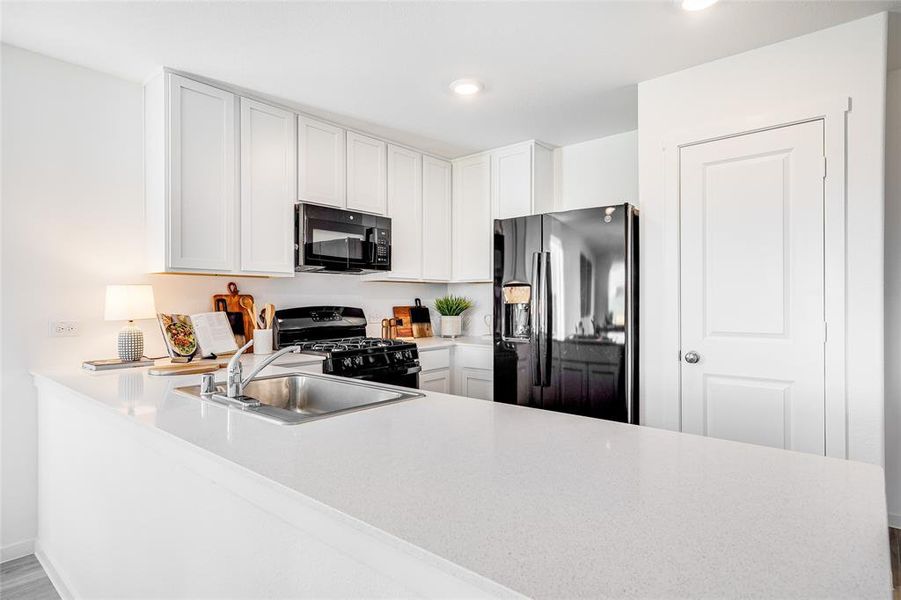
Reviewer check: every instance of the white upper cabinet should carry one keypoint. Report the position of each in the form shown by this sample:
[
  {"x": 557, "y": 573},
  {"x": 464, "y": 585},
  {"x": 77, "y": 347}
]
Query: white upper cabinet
[
  {"x": 473, "y": 227},
  {"x": 405, "y": 210},
  {"x": 436, "y": 219},
  {"x": 268, "y": 176},
  {"x": 201, "y": 189},
  {"x": 367, "y": 188},
  {"x": 522, "y": 180},
  {"x": 321, "y": 160}
]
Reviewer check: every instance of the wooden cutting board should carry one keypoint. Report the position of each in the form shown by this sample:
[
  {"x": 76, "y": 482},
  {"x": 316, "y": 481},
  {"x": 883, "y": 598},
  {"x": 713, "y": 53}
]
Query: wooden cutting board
[
  {"x": 422, "y": 323},
  {"x": 231, "y": 302},
  {"x": 405, "y": 321},
  {"x": 192, "y": 368}
]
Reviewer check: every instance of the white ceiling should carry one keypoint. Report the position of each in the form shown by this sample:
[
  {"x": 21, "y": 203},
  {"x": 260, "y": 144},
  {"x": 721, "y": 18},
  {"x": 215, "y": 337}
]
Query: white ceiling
[{"x": 561, "y": 72}]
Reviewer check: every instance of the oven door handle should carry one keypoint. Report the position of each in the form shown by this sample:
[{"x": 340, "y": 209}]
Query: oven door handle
[{"x": 372, "y": 376}]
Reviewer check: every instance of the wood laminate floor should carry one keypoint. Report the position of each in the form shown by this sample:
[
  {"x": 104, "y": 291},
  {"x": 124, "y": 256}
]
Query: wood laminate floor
[{"x": 24, "y": 579}]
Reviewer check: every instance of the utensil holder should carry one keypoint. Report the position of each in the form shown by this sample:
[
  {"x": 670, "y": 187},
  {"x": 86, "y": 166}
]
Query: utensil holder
[{"x": 262, "y": 341}]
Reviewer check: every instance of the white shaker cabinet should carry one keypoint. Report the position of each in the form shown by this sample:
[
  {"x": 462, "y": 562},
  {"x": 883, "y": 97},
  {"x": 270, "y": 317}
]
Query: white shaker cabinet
[
  {"x": 435, "y": 381},
  {"x": 473, "y": 374},
  {"x": 190, "y": 133},
  {"x": 367, "y": 169},
  {"x": 522, "y": 180},
  {"x": 268, "y": 178},
  {"x": 473, "y": 229},
  {"x": 321, "y": 161},
  {"x": 436, "y": 219},
  {"x": 405, "y": 210}
]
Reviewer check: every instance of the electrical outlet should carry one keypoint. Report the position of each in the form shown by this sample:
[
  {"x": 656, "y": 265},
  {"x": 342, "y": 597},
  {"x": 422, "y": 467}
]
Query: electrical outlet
[{"x": 65, "y": 328}]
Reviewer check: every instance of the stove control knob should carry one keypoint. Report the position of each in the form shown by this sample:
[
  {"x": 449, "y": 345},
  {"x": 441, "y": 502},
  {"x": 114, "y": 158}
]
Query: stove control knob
[
  {"x": 347, "y": 362},
  {"x": 408, "y": 354},
  {"x": 358, "y": 360},
  {"x": 371, "y": 359}
]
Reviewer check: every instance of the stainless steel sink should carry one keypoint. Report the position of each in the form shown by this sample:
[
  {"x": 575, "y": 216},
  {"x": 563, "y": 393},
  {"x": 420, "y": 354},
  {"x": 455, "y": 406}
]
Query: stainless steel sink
[{"x": 298, "y": 398}]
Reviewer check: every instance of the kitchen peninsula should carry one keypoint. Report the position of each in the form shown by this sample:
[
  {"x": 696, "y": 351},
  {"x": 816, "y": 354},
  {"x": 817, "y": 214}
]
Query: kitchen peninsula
[{"x": 436, "y": 496}]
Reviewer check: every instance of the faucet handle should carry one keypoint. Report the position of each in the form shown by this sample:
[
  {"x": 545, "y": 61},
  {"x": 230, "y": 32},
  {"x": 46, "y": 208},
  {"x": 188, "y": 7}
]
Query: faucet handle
[{"x": 207, "y": 384}]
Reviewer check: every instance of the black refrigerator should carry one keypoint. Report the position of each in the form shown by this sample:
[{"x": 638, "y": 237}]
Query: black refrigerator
[{"x": 566, "y": 312}]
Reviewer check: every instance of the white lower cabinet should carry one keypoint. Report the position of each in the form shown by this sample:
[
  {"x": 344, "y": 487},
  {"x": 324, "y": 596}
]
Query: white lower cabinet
[
  {"x": 471, "y": 378},
  {"x": 436, "y": 381}
]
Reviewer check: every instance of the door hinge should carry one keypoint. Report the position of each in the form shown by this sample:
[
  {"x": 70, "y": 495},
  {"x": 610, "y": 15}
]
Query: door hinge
[
  {"x": 824, "y": 167},
  {"x": 825, "y": 331}
]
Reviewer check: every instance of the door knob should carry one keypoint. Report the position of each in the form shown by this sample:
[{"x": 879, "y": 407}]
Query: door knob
[{"x": 692, "y": 357}]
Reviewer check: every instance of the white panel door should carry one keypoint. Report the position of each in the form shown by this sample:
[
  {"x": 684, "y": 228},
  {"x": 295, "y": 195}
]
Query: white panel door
[
  {"x": 202, "y": 173},
  {"x": 321, "y": 159},
  {"x": 511, "y": 176},
  {"x": 268, "y": 178},
  {"x": 367, "y": 189},
  {"x": 435, "y": 381},
  {"x": 752, "y": 287},
  {"x": 475, "y": 383},
  {"x": 405, "y": 210},
  {"x": 436, "y": 219},
  {"x": 473, "y": 233}
]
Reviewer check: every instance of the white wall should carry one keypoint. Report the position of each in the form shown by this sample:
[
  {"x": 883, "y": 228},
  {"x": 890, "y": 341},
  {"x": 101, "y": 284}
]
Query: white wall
[
  {"x": 72, "y": 222},
  {"x": 893, "y": 297},
  {"x": 598, "y": 172},
  {"x": 844, "y": 61}
]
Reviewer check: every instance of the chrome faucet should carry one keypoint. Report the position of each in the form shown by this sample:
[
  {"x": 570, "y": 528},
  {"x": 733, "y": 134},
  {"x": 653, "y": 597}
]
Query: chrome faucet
[{"x": 235, "y": 382}]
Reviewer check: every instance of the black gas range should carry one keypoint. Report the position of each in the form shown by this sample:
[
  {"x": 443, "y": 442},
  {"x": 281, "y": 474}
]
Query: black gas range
[{"x": 339, "y": 334}]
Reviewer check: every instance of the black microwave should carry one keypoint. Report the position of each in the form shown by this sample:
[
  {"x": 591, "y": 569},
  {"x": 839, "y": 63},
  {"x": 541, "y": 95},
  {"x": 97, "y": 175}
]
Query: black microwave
[{"x": 332, "y": 240}]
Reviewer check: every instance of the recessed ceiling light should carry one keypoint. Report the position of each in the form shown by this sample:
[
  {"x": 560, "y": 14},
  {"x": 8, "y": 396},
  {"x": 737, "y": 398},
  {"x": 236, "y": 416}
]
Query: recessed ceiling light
[
  {"x": 694, "y": 5},
  {"x": 466, "y": 87}
]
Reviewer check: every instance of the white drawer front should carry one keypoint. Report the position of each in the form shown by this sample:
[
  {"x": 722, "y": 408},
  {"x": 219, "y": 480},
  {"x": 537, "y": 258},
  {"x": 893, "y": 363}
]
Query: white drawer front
[
  {"x": 434, "y": 359},
  {"x": 475, "y": 357}
]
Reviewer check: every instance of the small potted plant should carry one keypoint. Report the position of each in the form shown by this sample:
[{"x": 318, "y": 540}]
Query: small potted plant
[{"x": 451, "y": 308}]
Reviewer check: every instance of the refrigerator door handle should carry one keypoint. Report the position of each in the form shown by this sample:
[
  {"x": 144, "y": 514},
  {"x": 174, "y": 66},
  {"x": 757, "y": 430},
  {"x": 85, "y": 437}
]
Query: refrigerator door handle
[
  {"x": 547, "y": 323},
  {"x": 535, "y": 333}
]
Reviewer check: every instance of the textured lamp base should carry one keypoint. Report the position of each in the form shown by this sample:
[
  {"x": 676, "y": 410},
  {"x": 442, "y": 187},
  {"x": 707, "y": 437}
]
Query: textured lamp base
[{"x": 131, "y": 343}]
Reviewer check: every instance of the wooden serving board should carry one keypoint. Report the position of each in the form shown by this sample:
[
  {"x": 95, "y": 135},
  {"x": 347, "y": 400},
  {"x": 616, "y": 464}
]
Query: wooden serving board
[
  {"x": 231, "y": 302},
  {"x": 193, "y": 368},
  {"x": 405, "y": 321}
]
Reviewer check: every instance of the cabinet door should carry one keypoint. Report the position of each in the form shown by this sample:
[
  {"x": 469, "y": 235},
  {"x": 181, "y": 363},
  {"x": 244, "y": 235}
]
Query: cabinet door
[
  {"x": 436, "y": 219},
  {"x": 367, "y": 190},
  {"x": 435, "y": 381},
  {"x": 473, "y": 228},
  {"x": 405, "y": 210},
  {"x": 476, "y": 383},
  {"x": 321, "y": 156},
  {"x": 202, "y": 173},
  {"x": 511, "y": 181},
  {"x": 267, "y": 188}
]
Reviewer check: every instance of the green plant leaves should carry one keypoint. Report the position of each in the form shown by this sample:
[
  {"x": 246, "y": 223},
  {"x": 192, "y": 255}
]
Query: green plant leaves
[{"x": 452, "y": 306}]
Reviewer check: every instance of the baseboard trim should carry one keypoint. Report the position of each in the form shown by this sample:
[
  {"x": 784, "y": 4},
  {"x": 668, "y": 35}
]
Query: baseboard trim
[
  {"x": 53, "y": 574},
  {"x": 17, "y": 550},
  {"x": 894, "y": 521}
]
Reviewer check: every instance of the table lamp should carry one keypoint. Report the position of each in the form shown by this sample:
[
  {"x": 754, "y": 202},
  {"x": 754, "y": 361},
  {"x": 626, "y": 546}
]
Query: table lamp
[{"x": 128, "y": 303}]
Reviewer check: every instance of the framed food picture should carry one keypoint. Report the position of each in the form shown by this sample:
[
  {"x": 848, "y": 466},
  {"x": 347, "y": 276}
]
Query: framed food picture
[{"x": 181, "y": 340}]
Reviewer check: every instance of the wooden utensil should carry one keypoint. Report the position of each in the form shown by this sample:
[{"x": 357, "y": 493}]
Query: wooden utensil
[
  {"x": 269, "y": 318},
  {"x": 404, "y": 322},
  {"x": 232, "y": 303}
]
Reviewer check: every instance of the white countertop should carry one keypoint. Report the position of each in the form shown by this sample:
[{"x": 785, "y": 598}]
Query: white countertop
[
  {"x": 553, "y": 505},
  {"x": 435, "y": 343}
]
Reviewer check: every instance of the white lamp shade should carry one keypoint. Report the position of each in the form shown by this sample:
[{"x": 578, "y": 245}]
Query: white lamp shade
[{"x": 129, "y": 302}]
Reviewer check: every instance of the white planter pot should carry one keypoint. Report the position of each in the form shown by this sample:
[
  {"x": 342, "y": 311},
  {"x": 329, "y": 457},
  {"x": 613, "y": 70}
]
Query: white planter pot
[{"x": 451, "y": 326}]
